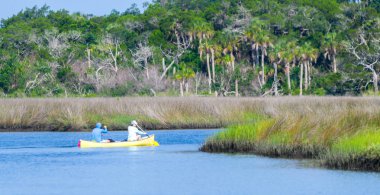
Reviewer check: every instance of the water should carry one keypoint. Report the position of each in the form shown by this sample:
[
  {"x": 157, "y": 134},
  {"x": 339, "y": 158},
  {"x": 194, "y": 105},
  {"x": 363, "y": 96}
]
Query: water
[{"x": 50, "y": 163}]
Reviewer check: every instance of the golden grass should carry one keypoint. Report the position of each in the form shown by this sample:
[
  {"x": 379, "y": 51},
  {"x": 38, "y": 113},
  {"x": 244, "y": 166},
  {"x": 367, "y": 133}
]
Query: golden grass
[
  {"x": 156, "y": 113},
  {"x": 310, "y": 113}
]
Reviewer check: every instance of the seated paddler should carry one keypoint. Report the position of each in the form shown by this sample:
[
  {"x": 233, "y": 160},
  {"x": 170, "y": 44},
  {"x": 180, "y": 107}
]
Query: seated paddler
[
  {"x": 97, "y": 133},
  {"x": 134, "y": 134}
]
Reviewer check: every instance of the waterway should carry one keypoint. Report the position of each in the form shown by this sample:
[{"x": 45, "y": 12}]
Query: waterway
[{"x": 51, "y": 163}]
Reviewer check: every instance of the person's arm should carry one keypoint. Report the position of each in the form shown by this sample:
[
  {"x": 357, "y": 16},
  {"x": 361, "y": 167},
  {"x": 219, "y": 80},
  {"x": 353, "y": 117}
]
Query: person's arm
[
  {"x": 140, "y": 132},
  {"x": 105, "y": 130}
]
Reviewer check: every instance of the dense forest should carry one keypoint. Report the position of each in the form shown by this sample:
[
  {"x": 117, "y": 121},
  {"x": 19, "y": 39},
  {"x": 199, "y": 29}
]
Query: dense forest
[{"x": 194, "y": 47}]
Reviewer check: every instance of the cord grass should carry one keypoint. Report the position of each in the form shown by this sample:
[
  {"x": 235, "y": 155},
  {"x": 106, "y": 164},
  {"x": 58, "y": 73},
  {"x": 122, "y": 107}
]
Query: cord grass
[{"x": 341, "y": 133}]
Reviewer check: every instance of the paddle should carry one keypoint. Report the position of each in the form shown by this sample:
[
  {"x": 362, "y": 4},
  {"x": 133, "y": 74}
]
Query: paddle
[
  {"x": 155, "y": 143},
  {"x": 142, "y": 130}
]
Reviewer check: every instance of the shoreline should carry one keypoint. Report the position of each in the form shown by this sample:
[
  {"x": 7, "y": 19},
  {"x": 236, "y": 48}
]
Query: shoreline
[{"x": 89, "y": 130}]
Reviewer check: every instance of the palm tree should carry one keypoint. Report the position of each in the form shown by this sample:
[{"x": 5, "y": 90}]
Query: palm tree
[
  {"x": 230, "y": 46},
  {"x": 215, "y": 50},
  {"x": 204, "y": 31},
  {"x": 206, "y": 47},
  {"x": 330, "y": 45},
  {"x": 263, "y": 41},
  {"x": 183, "y": 74},
  {"x": 250, "y": 34},
  {"x": 312, "y": 56},
  {"x": 288, "y": 57},
  {"x": 298, "y": 56},
  {"x": 275, "y": 56},
  {"x": 308, "y": 54}
]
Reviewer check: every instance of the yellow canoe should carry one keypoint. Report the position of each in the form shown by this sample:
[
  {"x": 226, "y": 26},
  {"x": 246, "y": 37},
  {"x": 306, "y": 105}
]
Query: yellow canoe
[{"x": 145, "y": 142}]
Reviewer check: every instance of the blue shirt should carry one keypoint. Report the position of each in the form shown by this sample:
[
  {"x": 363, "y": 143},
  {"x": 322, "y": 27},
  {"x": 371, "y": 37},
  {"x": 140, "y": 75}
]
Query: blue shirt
[{"x": 97, "y": 133}]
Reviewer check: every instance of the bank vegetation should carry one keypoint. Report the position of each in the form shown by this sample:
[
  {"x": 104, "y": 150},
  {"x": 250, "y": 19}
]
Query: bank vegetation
[{"x": 339, "y": 132}]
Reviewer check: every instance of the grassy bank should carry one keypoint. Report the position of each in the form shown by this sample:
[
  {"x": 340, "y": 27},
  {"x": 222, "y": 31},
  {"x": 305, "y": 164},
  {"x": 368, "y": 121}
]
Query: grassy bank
[
  {"x": 75, "y": 114},
  {"x": 341, "y": 133}
]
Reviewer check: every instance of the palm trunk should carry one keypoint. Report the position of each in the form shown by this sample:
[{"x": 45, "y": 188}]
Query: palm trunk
[
  {"x": 233, "y": 72},
  {"x": 174, "y": 71},
  {"x": 236, "y": 87},
  {"x": 89, "y": 57},
  {"x": 275, "y": 79},
  {"x": 262, "y": 65},
  {"x": 288, "y": 77},
  {"x": 196, "y": 84},
  {"x": 208, "y": 72},
  {"x": 187, "y": 86},
  {"x": 334, "y": 63},
  {"x": 257, "y": 56},
  {"x": 232, "y": 61},
  {"x": 146, "y": 67},
  {"x": 213, "y": 64},
  {"x": 306, "y": 76},
  {"x": 181, "y": 88},
  {"x": 309, "y": 68},
  {"x": 253, "y": 57},
  {"x": 301, "y": 76}
]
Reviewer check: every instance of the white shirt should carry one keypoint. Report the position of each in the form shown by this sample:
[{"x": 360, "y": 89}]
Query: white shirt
[{"x": 133, "y": 132}]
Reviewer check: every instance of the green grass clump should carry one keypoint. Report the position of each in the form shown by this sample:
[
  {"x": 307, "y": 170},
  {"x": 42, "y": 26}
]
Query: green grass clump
[
  {"x": 249, "y": 132},
  {"x": 357, "y": 152},
  {"x": 357, "y": 144}
]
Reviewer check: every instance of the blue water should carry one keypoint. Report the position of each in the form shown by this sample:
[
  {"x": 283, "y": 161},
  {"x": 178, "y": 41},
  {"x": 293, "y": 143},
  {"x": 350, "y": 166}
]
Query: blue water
[{"x": 50, "y": 163}]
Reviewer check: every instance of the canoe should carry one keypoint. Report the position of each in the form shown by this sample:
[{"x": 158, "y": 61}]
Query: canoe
[{"x": 145, "y": 142}]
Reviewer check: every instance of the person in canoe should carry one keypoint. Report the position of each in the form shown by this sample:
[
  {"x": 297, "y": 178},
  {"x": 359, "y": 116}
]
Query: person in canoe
[
  {"x": 134, "y": 134},
  {"x": 97, "y": 133}
]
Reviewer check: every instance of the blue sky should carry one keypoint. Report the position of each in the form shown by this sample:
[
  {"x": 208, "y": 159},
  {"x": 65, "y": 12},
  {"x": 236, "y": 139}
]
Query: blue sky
[{"x": 96, "y": 7}]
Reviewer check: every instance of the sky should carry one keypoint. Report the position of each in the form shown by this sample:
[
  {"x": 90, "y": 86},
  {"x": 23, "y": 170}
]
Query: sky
[{"x": 9, "y": 8}]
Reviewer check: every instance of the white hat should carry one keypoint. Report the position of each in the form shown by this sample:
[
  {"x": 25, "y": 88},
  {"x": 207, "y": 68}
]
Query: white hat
[{"x": 134, "y": 123}]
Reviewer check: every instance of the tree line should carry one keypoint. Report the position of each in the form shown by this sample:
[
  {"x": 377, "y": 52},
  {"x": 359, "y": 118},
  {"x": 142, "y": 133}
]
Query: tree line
[{"x": 194, "y": 47}]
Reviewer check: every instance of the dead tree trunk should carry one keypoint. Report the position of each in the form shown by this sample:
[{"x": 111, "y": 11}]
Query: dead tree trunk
[{"x": 375, "y": 82}]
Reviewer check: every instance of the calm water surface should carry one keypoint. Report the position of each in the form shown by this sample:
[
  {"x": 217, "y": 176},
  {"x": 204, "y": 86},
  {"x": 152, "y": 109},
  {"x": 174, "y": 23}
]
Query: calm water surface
[{"x": 50, "y": 163}]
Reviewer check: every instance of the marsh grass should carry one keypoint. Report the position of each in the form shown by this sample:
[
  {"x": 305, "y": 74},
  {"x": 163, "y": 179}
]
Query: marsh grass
[
  {"x": 341, "y": 132},
  {"x": 76, "y": 114}
]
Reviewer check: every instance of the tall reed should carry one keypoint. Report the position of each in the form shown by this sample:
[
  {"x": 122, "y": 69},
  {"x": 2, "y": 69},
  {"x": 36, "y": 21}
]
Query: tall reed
[{"x": 153, "y": 113}]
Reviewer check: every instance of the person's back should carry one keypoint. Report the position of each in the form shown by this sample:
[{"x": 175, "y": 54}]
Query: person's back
[
  {"x": 133, "y": 132},
  {"x": 97, "y": 132}
]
